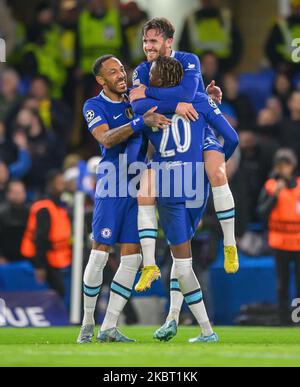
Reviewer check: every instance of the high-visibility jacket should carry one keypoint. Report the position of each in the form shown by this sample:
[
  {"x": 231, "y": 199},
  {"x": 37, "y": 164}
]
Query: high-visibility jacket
[
  {"x": 135, "y": 42},
  {"x": 289, "y": 33},
  {"x": 284, "y": 220},
  {"x": 98, "y": 37},
  {"x": 211, "y": 34},
  {"x": 49, "y": 60},
  {"x": 67, "y": 45},
  {"x": 60, "y": 253}
]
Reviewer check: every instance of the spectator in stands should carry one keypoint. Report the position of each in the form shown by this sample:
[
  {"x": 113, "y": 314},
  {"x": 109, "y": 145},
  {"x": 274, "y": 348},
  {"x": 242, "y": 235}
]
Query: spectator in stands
[
  {"x": 68, "y": 13},
  {"x": 212, "y": 29},
  {"x": 47, "y": 239},
  {"x": 99, "y": 32},
  {"x": 274, "y": 104},
  {"x": 7, "y": 149},
  {"x": 282, "y": 89},
  {"x": 21, "y": 166},
  {"x": 9, "y": 95},
  {"x": 45, "y": 148},
  {"x": 268, "y": 120},
  {"x": 14, "y": 153},
  {"x": 210, "y": 68},
  {"x": 55, "y": 114},
  {"x": 42, "y": 53},
  {"x": 279, "y": 43},
  {"x": 279, "y": 208},
  {"x": 289, "y": 130},
  {"x": 133, "y": 19},
  {"x": 255, "y": 166},
  {"x": 4, "y": 179},
  {"x": 240, "y": 102},
  {"x": 13, "y": 219}
]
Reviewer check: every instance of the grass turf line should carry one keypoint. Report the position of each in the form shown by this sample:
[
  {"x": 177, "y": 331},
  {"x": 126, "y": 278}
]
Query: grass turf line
[{"x": 238, "y": 346}]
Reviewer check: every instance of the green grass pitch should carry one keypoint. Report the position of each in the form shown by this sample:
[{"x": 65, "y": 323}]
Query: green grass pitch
[{"x": 238, "y": 346}]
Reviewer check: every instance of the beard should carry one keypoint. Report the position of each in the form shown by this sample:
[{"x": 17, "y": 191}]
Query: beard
[
  {"x": 116, "y": 88},
  {"x": 152, "y": 56}
]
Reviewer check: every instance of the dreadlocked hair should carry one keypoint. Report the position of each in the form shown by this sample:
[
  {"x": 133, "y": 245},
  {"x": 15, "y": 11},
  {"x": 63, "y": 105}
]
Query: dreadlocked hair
[{"x": 170, "y": 71}]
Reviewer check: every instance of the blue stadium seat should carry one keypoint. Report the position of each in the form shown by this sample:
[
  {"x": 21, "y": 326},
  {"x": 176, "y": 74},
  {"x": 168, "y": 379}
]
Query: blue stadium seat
[{"x": 258, "y": 86}]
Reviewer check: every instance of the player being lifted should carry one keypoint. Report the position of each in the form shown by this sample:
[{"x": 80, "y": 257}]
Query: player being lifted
[
  {"x": 114, "y": 218},
  {"x": 178, "y": 145},
  {"x": 157, "y": 41}
]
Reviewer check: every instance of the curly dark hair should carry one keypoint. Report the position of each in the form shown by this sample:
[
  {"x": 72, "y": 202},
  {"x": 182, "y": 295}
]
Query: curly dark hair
[
  {"x": 162, "y": 25},
  {"x": 170, "y": 71}
]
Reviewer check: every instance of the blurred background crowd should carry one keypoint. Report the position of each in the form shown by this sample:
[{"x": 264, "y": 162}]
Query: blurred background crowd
[{"x": 50, "y": 47}]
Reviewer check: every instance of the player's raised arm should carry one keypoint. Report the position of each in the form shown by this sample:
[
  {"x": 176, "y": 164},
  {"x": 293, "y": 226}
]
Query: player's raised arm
[
  {"x": 111, "y": 137},
  {"x": 184, "y": 109},
  {"x": 185, "y": 92},
  {"x": 172, "y": 76},
  {"x": 215, "y": 118}
]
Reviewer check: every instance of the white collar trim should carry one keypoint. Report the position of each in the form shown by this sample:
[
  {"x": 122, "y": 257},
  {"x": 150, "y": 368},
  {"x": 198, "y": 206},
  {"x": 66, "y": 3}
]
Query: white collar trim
[{"x": 108, "y": 99}]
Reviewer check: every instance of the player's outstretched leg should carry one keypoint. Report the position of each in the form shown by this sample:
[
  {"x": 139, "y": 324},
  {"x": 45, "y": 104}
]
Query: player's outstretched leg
[
  {"x": 224, "y": 206},
  {"x": 169, "y": 329},
  {"x": 92, "y": 281},
  {"x": 193, "y": 297},
  {"x": 147, "y": 225},
  {"x": 121, "y": 288}
]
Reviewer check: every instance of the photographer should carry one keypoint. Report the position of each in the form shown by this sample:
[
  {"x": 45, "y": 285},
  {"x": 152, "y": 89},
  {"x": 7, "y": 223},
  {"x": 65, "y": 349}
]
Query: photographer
[{"x": 279, "y": 206}]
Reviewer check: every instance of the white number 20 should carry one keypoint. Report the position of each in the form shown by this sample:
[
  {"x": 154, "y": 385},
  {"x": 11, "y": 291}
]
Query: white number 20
[{"x": 181, "y": 148}]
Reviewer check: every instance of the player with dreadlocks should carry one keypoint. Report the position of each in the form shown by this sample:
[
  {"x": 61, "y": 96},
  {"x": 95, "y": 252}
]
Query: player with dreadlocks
[
  {"x": 178, "y": 146},
  {"x": 158, "y": 34},
  {"x": 169, "y": 73}
]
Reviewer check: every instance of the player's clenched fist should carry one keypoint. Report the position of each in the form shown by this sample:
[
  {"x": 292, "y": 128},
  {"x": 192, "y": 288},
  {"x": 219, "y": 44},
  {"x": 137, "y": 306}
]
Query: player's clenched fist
[{"x": 155, "y": 120}]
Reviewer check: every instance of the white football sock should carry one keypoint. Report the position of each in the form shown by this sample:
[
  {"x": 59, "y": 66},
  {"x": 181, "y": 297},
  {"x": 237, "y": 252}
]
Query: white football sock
[
  {"x": 92, "y": 281},
  {"x": 176, "y": 297},
  {"x": 147, "y": 225},
  {"x": 192, "y": 293},
  {"x": 225, "y": 210},
  {"x": 121, "y": 289}
]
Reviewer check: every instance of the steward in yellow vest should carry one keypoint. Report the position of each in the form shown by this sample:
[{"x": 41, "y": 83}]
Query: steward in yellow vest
[
  {"x": 279, "y": 46},
  {"x": 211, "y": 29},
  {"x": 133, "y": 20},
  {"x": 42, "y": 55},
  {"x": 99, "y": 33}
]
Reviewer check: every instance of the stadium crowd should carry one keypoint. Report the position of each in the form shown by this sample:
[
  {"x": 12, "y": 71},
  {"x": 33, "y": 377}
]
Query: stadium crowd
[{"x": 47, "y": 76}]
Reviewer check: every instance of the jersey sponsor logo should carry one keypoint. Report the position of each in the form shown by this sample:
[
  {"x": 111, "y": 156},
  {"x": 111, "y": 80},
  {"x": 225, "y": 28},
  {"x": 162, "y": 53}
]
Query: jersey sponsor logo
[
  {"x": 217, "y": 111},
  {"x": 89, "y": 115},
  {"x": 106, "y": 233},
  {"x": 212, "y": 103},
  {"x": 95, "y": 120},
  {"x": 116, "y": 117}
]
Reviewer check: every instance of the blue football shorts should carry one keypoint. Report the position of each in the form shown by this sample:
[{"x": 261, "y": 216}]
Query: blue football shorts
[
  {"x": 178, "y": 221},
  {"x": 115, "y": 221},
  {"x": 211, "y": 142}
]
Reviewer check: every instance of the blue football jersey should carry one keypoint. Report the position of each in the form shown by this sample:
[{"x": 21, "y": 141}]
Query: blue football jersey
[
  {"x": 178, "y": 157},
  {"x": 102, "y": 110},
  {"x": 190, "y": 63}
]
